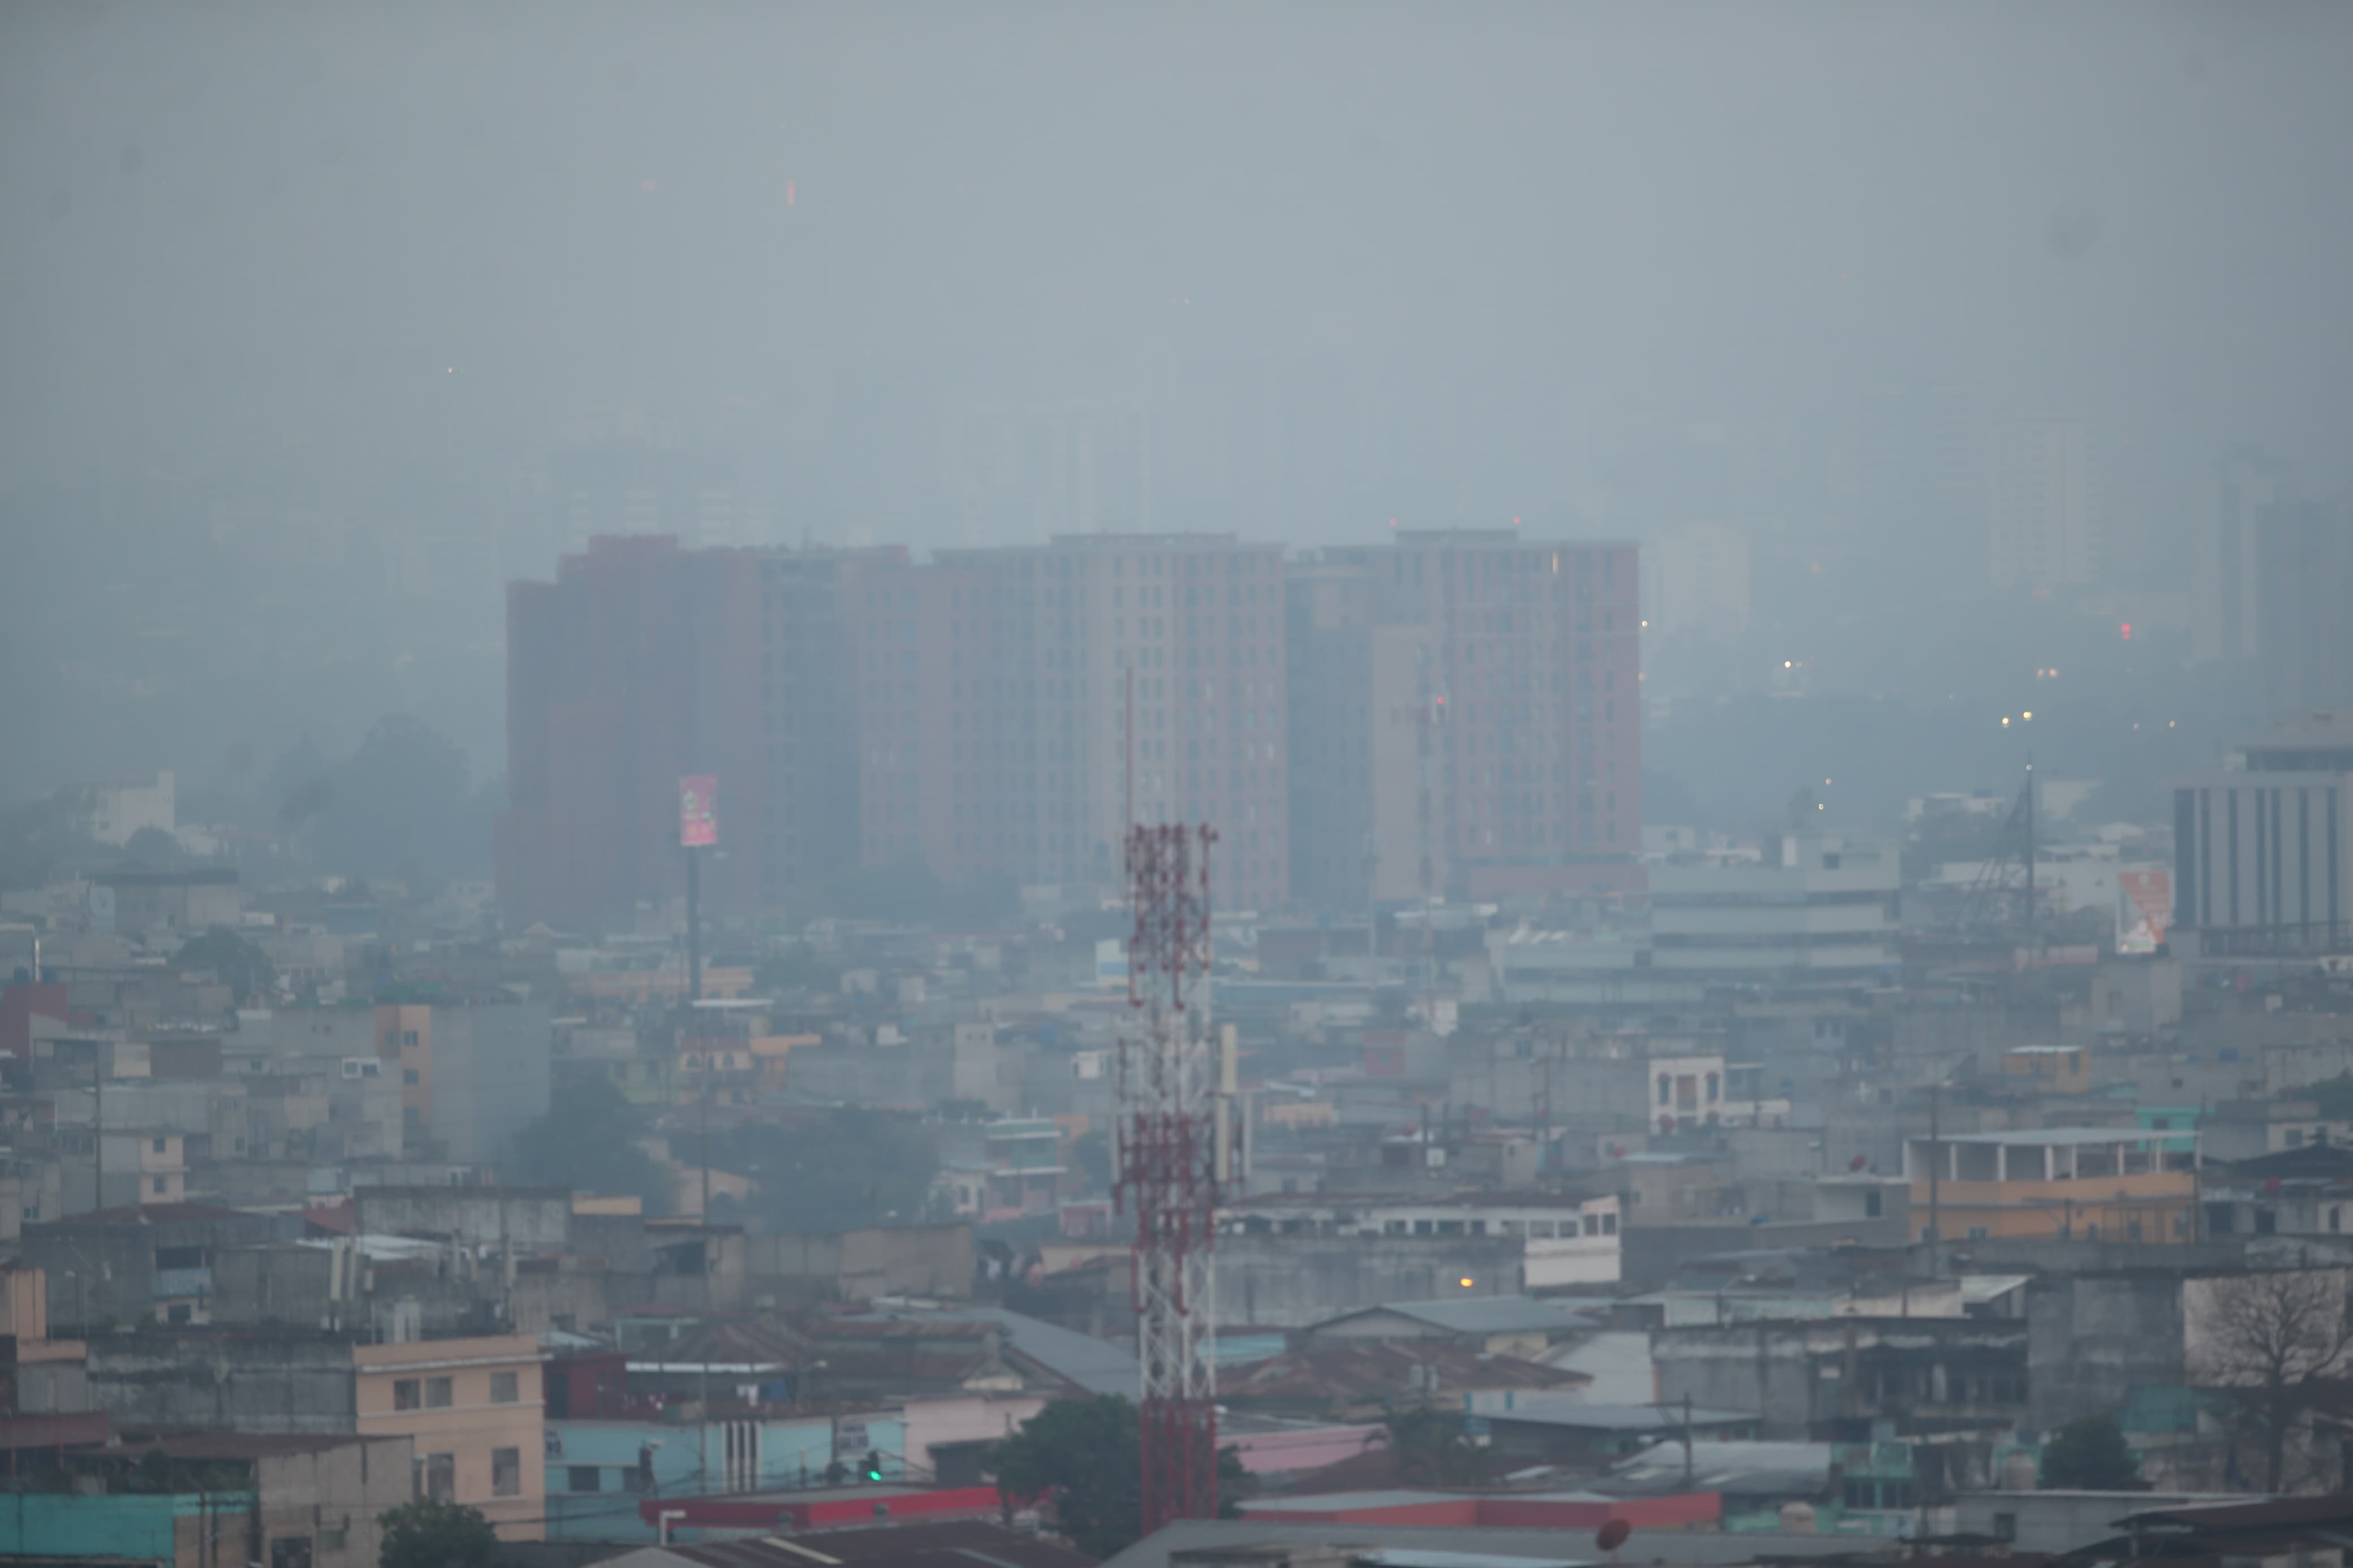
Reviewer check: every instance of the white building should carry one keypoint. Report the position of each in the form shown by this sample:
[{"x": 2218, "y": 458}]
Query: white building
[
  {"x": 120, "y": 808},
  {"x": 2264, "y": 847},
  {"x": 1566, "y": 1240},
  {"x": 1825, "y": 914}
]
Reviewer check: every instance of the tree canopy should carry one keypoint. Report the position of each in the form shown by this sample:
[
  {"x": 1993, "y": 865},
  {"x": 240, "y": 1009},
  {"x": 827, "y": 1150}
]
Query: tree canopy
[
  {"x": 1084, "y": 1457},
  {"x": 839, "y": 1170},
  {"x": 2275, "y": 1341},
  {"x": 429, "y": 1533},
  {"x": 1431, "y": 1447},
  {"x": 243, "y": 967},
  {"x": 797, "y": 967},
  {"x": 587, "y": 1140},
  {"x": 2091, "y": 1456},
  {"x": 399, "y": 807}
]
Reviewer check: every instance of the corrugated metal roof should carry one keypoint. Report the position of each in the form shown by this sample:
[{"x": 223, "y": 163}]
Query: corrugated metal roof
[
  {"x": 1480, "y": 1314},
  {"x": 1676, "y": 1547},
  {"x": 1551, "y": 1410},
  {"x": 1418, "y": 1557},
  {"x": 1095, "y": 1366},
  {"x": 953, "y": 1543},
  {"x": 2250, "y": 1516}
]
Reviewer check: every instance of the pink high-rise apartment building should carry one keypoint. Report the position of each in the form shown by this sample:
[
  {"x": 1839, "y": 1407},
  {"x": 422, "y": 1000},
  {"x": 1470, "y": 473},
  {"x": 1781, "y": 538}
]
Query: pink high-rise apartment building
[
  {"x": 993, "y": 689},
  {"x": 1467, "y": 718}
]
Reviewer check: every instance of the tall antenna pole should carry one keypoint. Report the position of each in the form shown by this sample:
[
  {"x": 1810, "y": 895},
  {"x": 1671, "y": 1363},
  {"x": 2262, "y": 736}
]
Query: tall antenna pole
[
  {"x": 2030, "y": 923},
  {"x": 1167, "y": 1166}
]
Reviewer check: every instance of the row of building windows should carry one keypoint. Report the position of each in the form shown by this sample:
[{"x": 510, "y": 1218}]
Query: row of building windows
[
  {"x": 439, "y": 1393},
  {"x": 437, "y": 1474}
]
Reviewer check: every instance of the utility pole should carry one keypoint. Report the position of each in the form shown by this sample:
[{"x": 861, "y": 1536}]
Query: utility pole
[
  {"x": 694, "y": 927},
  {"x": 98, "y": 1130},
  {"x": 1687, "y": 1442},
  {"x": 2031, "y": 924},
  {"x": 1935, "y": 1176}
]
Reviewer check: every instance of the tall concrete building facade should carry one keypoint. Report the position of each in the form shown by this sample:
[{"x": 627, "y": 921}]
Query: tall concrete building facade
[
  {"x": 643, "y": 663},
  {"x": 1467, "y": 718},
  {"x": 968, "y": 715},
  {"x": 2264, "y": 850},
  {"x": 994, "y": 687},
  {"x": 2304, "y": 605},
  {"x": 2247, "y": 483},
  {"x": 2043, "y": 504},
  {"x": 472, "y": 1076}
]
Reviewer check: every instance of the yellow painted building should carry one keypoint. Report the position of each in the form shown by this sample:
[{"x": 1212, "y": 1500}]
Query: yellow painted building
[
  {"x": 2082, "y": 1183},
  {"x": 2058, "y": 1070},
  {"x": 473, "y": 1408}
]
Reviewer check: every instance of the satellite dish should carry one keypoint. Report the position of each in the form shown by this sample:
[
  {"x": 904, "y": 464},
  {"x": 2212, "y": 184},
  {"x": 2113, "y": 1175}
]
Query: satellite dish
[
  {"x": 1857, "y": 1163},
  {"x": 1613, "y": 1535}
]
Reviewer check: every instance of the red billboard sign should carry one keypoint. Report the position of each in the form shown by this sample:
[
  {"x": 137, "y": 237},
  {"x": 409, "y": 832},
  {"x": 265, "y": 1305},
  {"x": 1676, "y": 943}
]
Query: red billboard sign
[
  {"x": 2148, "y": 900},
  {"x": 698, "y": 811}
]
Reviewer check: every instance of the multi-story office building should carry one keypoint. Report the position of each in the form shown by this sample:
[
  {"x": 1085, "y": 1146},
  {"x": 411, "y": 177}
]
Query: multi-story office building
[
  {"x": 1466, "y": 718},
  {"x": 2263, "y": 849},
  {"x": 1825, "y": 915}
]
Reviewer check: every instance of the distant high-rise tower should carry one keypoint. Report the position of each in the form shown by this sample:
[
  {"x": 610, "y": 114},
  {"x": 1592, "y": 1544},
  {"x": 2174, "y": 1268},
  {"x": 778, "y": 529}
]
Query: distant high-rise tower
[
  {"x": 2043, "y": 504},
  {"x": 1920, "y": 477},
  {"x": 991, "y": 688},
  {"x": 2227, "y": 575},
  {"x": 2304, "y": 605},
  {"x": 1468, "y": 718},
  {"x": 642, "y": 663}
]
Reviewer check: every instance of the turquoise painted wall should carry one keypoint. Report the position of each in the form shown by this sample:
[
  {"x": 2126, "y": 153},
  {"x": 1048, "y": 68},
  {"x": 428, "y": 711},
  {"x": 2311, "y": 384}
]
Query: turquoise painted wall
[{"x": 137, "y": 1524}]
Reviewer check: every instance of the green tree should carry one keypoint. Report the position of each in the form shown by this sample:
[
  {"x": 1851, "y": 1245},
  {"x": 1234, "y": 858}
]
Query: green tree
[
  {"x": 153, "y": 848},
  {"x": 429, "y": 1533},
  {"x": 1430, "y": 1446},
  {"x": 797, "y": 967},
  {"x": 1084, "y": 1457},
  {"x": 588, "y": 1141},
  {"x": 2334, "y": 1096},
  {"x": 839, "y": 1170},
  {"x": 241, "y": 966},
  {"x": 2091, "y": 1456},
  {"x": 1950, "y": 836},
  {"x": 46, "y": 835},
  {"x": 400, "y": 808}
]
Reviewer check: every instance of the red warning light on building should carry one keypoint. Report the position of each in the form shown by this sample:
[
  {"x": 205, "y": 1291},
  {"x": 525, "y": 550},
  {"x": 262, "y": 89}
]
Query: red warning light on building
[{"x": 2127, "y": 630}]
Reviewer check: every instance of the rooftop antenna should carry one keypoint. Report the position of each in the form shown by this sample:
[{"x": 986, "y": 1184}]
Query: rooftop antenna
[{"x": 2008, "y": 873}]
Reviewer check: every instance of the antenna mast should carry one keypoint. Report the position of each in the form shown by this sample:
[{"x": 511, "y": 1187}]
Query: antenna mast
[{"x": 1167, "y": 1166}]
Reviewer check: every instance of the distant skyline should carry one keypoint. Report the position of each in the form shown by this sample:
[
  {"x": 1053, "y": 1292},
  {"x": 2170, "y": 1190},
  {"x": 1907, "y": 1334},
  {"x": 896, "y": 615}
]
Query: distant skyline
[
  {"x": 309, "y": 316},
  {"x": 270, "y": 245}
]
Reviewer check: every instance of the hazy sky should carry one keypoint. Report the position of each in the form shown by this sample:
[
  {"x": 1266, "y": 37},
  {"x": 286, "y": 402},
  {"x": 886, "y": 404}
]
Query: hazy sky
[{"x": 335, "y": 242}]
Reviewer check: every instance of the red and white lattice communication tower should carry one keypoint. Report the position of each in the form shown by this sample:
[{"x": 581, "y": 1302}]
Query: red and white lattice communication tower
[{"x": 1168, "y": 1165}]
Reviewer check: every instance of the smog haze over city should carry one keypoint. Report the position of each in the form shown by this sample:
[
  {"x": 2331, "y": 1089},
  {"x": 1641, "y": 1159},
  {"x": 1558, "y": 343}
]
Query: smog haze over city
[
  {"x": 1231, "y": 712},
  {"x": 293, "y": 292}
]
